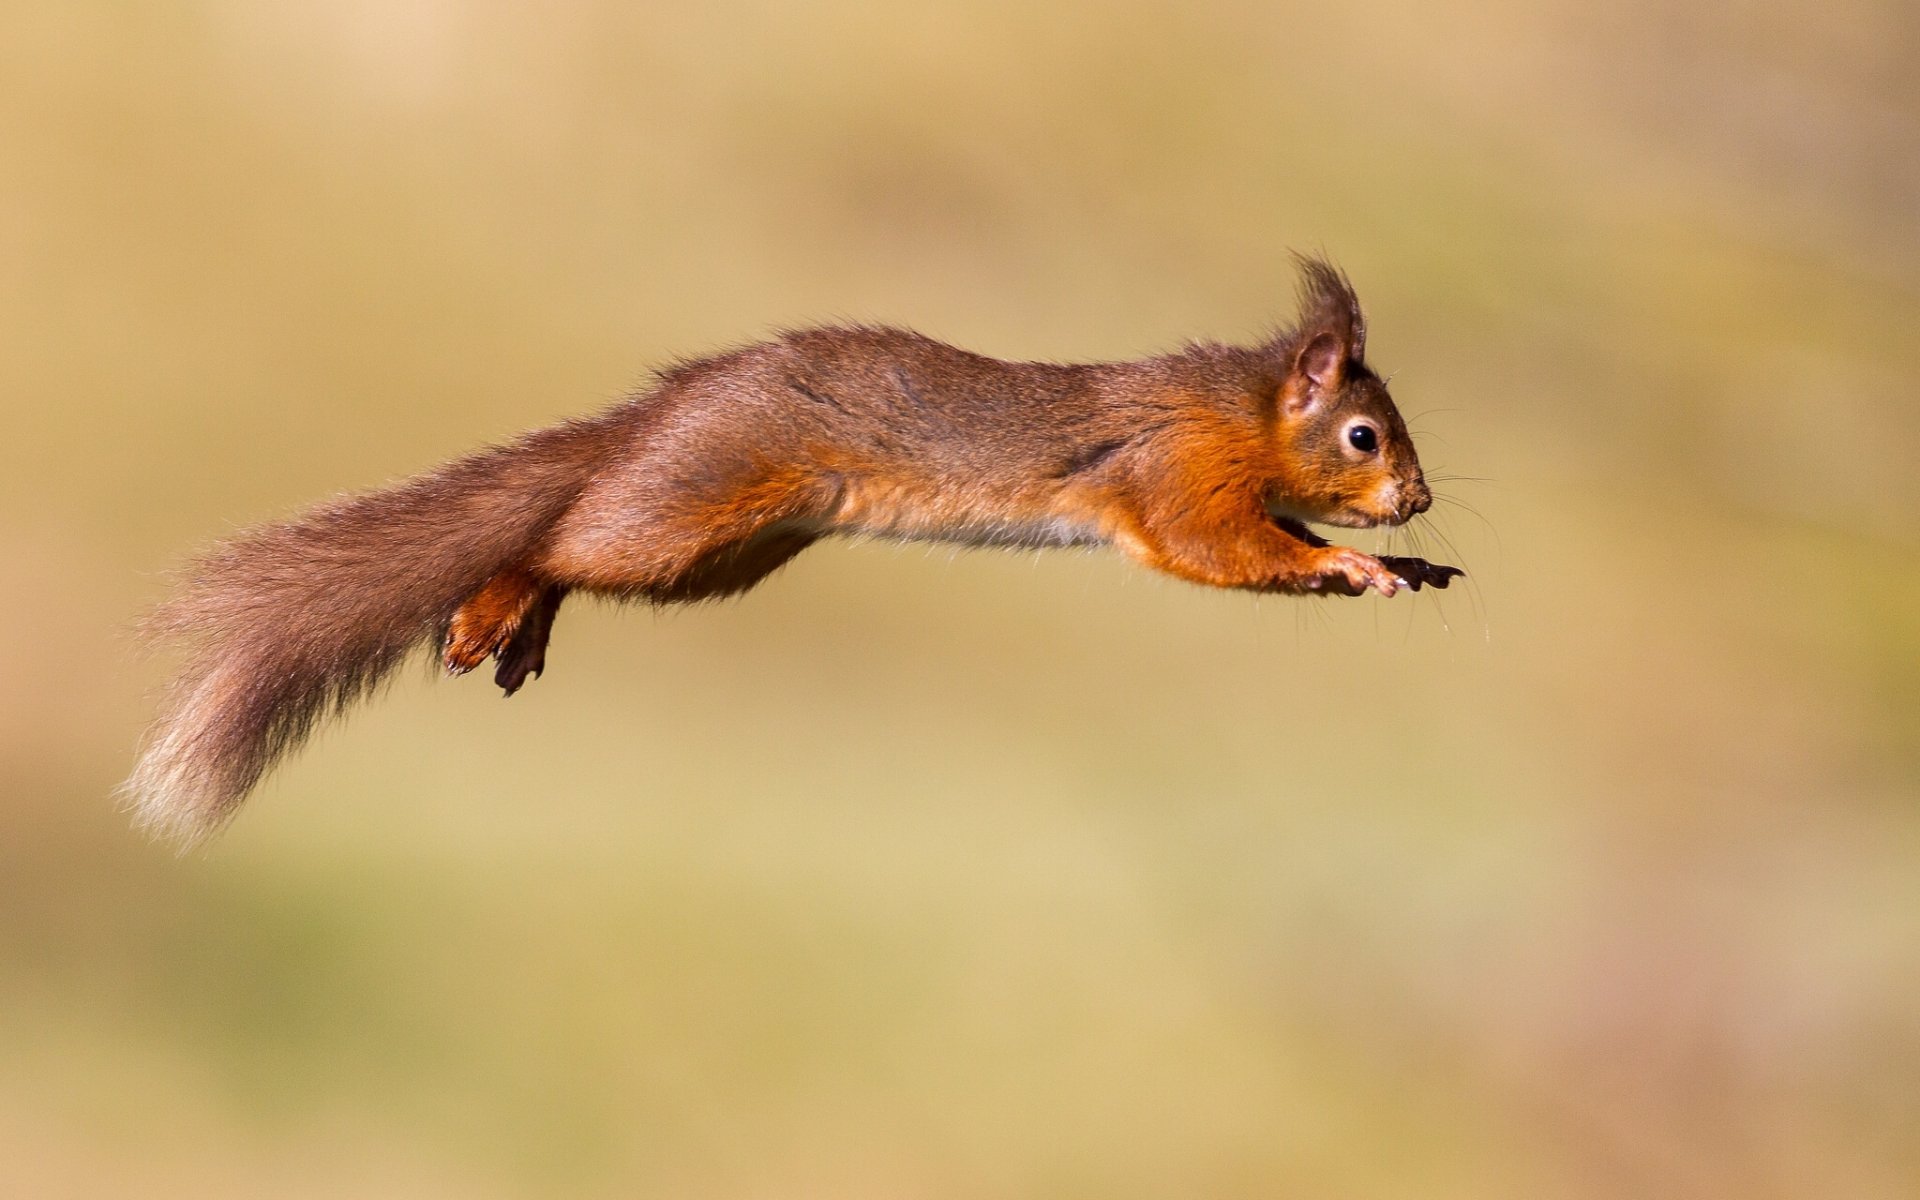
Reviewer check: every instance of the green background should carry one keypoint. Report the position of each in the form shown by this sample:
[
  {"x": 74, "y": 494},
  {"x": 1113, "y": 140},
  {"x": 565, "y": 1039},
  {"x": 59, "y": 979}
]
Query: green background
[{"x": 931, "y": 874}]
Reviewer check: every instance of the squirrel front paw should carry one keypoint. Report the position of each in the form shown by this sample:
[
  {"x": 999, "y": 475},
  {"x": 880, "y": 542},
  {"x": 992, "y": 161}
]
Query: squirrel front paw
[{"x": 1341, "y": 571}]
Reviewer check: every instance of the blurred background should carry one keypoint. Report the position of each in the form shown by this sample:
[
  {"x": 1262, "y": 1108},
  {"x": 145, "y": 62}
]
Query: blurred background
[{"x": 932, "y": 874}]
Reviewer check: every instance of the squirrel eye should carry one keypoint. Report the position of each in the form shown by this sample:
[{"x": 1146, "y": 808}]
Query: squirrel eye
[{"x": 1361, "y": 437}]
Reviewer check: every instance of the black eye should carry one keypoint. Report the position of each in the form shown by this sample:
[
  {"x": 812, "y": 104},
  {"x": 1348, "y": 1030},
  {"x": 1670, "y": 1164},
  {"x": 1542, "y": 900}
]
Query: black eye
[{"x": 1361, "y": 437}]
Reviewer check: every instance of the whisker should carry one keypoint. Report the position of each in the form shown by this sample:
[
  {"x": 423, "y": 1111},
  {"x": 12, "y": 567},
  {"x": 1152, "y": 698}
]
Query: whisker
[
  {"x": 1477, "y": 515},
  {"x": 1446, "y": 542},
  {"x": 1440, "y": 609},
  {"x": 1476, "y": 598}
]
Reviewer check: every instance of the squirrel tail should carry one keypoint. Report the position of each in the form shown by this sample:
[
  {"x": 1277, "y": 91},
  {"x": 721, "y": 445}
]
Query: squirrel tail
[{"x": 293, "y": 622}]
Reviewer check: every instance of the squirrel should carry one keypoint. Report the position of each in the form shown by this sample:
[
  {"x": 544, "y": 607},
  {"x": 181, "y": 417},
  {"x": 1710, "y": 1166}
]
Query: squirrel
[{"x": 1205, "y": 464}]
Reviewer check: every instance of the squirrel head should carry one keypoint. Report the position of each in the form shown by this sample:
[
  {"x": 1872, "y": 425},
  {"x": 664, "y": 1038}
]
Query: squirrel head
[{"x": 1347, "y": 455}]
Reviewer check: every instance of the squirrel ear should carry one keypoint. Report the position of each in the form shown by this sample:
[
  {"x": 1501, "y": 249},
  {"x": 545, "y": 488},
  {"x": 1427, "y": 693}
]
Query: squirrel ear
[
  {"x": 1321, "y": 360},
  {"x": 1318, "y": 367},
  {"x": 1331, "y": 333}
]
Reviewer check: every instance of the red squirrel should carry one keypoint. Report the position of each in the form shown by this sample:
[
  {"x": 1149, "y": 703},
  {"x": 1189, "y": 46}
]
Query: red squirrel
[{"x": 1204, "y": 464}]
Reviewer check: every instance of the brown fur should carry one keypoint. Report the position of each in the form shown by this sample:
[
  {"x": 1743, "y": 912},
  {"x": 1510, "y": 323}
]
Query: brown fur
[{"x": 1202, "y": 464}]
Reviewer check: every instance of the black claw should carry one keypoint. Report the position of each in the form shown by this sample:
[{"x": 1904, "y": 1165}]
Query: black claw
[
  {"x": 1419, "y": 572},
  {"x": 512, "y": 675}
]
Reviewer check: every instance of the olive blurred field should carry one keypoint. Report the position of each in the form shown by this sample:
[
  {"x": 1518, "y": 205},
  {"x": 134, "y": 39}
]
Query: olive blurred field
[{"x": 924, "y": 874}]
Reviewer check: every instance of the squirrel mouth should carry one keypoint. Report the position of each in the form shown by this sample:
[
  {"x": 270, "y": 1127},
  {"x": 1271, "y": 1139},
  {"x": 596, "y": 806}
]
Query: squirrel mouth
[{"x": 1389, "y": 503}]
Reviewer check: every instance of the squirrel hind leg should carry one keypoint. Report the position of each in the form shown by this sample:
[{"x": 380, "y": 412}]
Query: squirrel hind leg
[
  {"x": 728, "y": 568},
  {"x": 525, "y": 653}
]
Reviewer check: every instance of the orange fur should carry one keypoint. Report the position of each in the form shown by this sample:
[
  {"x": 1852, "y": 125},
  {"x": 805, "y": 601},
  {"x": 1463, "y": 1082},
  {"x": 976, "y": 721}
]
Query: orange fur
[{"x": 484, "y": 624}]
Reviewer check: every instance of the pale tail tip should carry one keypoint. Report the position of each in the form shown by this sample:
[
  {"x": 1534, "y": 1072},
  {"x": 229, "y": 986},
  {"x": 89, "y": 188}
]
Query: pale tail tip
[{"x": 168, "y": 812}]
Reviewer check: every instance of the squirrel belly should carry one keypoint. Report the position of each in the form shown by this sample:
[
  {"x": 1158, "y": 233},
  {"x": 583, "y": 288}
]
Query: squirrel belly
[{"x": 1202, "y": 463}]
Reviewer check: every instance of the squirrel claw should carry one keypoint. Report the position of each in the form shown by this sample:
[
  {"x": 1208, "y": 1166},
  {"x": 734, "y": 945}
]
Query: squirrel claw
[
  {"x": 462, "y": 654},
  {"x": 1417, "y": 573},
  {"x": 515, "y": 670}
]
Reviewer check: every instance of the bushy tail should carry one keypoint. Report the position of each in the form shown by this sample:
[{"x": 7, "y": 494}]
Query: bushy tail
[{"x": 290, "y": 623}]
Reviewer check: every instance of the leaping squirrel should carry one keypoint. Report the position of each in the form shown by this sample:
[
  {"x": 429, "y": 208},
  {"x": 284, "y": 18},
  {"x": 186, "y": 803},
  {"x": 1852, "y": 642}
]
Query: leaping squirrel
[{"x": 1204, "y": 464}]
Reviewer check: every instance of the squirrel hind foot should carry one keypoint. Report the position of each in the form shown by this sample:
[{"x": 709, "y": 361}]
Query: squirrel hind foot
[
  {"x": 525, "y": 654},
  {"x": 487, "y": 623}
]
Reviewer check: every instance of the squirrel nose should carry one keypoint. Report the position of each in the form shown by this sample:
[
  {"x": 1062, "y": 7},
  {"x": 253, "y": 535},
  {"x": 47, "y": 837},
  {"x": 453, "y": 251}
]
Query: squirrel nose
[{"x": 1419, "y": 498}]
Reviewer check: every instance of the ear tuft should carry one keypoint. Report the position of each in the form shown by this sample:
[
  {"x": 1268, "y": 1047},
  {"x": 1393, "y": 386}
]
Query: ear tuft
[{"x": 1328, "y": 306}]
